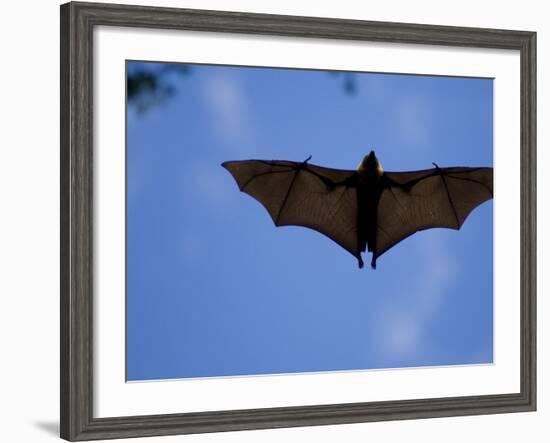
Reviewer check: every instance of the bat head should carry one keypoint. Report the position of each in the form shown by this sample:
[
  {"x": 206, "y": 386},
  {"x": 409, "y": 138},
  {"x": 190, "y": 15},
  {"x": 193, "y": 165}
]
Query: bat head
[{"x": 370, "y": 165}]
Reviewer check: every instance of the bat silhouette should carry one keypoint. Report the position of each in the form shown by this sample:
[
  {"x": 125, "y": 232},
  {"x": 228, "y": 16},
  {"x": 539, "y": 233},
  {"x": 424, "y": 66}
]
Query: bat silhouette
[{"x": 367, "y": 208}]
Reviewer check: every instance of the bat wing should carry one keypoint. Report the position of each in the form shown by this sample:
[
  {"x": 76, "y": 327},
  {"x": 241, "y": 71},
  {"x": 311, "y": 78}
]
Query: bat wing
[
  {"x": 303, "y": 194},
  {"x": 432, "y": 198}
]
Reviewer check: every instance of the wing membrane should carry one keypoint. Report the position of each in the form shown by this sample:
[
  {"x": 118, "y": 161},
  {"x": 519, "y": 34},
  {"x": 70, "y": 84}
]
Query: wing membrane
[
  {"x": 302, "y": 194},
  {"x": 432, "y": 198}
]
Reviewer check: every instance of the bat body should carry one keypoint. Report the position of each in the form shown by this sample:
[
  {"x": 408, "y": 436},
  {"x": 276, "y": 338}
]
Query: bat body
[{"x": 366, "y": 209}]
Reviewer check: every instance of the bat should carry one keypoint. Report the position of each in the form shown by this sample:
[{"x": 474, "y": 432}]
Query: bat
[{"x": 366, "y": 209}]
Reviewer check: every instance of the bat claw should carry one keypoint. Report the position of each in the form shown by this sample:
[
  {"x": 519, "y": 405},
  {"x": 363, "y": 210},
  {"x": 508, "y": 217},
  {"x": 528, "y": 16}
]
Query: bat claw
[{"x": 304, "y": 163}]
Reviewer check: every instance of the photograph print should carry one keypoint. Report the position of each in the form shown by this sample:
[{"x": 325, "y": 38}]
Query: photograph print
[{"x": 381, "y": 184}]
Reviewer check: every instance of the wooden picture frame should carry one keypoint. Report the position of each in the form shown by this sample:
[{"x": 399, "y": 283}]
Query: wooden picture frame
[{"x": 78, "y": 21}]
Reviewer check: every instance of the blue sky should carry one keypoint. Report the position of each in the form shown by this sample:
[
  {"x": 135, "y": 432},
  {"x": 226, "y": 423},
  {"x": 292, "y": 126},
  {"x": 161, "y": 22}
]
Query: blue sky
[{"x": 214, "y": 289}]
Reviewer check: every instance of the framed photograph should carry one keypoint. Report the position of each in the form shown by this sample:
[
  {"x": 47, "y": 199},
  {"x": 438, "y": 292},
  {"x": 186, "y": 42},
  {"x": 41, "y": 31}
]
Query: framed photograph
[{"x": 398, "y": 160}]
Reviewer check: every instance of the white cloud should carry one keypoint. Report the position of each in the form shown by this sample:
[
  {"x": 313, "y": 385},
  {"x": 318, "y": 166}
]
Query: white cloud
[
  {"x": 230, "y": 114},
  {"x": 402, "y": 335},
  {"x": 412, "y": 123},
  {"x": 402, "y": 324},
  {"x": 440, "y": 271}
]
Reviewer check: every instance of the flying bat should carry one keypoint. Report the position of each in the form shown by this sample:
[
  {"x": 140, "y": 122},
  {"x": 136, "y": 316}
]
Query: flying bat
[{"x": 365, "y": 209}]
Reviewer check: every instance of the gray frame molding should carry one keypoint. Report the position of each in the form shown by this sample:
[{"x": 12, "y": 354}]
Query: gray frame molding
[{"x": 77, "y": 23}]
